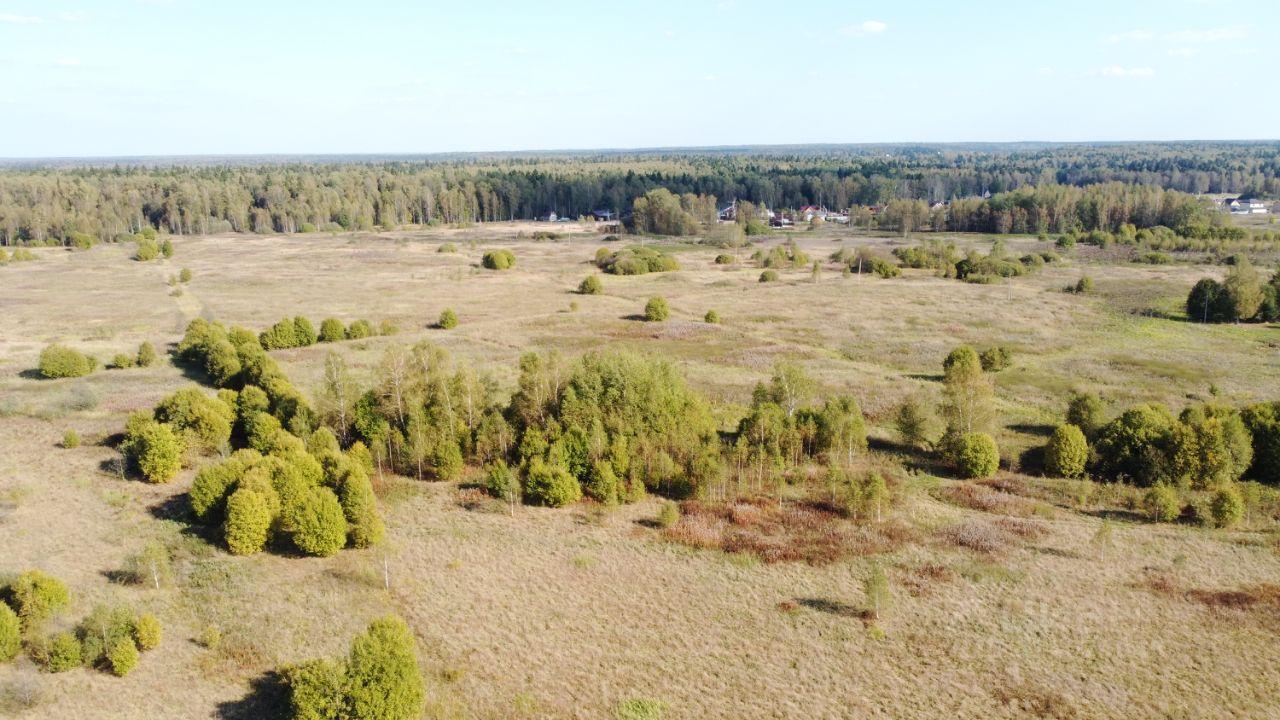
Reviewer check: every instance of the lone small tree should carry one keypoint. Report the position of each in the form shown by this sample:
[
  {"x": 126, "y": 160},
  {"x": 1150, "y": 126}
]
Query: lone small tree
[{"x": 876, "y": 589}]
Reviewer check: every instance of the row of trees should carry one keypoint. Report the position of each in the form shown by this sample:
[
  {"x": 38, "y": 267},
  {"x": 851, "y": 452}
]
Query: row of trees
[{"x": 45, "y": 203}]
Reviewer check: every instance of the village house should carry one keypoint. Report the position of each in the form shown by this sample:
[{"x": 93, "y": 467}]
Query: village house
[{"x": 1239, "y": 206}]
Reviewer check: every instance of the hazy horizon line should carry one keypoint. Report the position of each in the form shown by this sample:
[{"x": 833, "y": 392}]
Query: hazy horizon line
[{"x": 642, "y": 150}]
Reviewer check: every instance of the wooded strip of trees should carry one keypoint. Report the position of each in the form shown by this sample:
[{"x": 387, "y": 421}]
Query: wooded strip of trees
[{"x": 1121, "y": 183}]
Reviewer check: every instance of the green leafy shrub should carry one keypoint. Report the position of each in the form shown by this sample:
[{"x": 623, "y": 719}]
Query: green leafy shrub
[
  {"x": 769, "y": 276},
  {"x": 262, "y": 431},
  {"x": 70, "y": 439},
  {"x": 1067, "y": 452},
  {"x": 64, "y": 653},
  {"x": 501, "y": 482},
  {"x": 146, "y": 355},
  {"x": 154, "y": 449},
  {"x": 166, "y": 248},
  {"x": 668, "y": 514},
  {"x": 1086, "y": 412},
  {"x": 1162, "y": 503},
  {"x": 1135, "y": 444},
  {"x": 1227, "y": 507},
  {"x": 210, "y": 637},
  {"x": 10, "y": 633},
  {"x": 360, "y": 507},
  {"x": 59, "y": 361},
  {"x": 977, "y": 456},
  {"x": 37, "y": 596},
  {"x": 360, "y": 329},
  {"x": 590, "y": 285},
  {"x": 248, "y": 522},
  {"x": 147, "y": 250},
  {"x": 213, "y": 482},
  {"x": 121, "y": 361},
  {"x": 318, "y": 523},
  {"x": 382, "y": 679},
  {"x": 638, "y": 260},
  {"x": 316, "y": 690},
  {"x": 184, "y": 275},
  {"x": 725, "y": 259},
  {"x": 282, "y": 335},
  {"x": 498, "y": 260},
  {"x": 550, "y": 484},
  {"x": 147, "y": 632},
  {"x": 332, "y": 330},
  {"x": 656, "y": 310},
  {"x": 447, "y": 248},
  {"x": 996, "y": 358},
  {"x": 304, "y": 332},
  {"x": 122, "y": 657},
  {"x": 202, "y": 421},
  {"x": 641, "y": 709},
  {"x": 712, "y": 317},
  {"x": 448, "y": 319}
]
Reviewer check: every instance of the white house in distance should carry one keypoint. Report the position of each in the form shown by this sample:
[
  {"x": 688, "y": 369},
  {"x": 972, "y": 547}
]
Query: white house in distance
[{"x": 1238, "y": 206}]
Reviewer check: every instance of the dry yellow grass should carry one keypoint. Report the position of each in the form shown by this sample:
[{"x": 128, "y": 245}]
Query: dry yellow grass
[{"x": 566, "y": 613}]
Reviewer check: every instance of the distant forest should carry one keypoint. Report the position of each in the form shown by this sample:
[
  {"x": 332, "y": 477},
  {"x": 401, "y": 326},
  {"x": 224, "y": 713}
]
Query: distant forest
[{"x": 1033, "y": 188}]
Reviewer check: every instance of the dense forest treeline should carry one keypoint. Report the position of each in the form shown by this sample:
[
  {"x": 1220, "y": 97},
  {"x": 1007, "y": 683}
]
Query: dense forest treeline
[{"x": 49, "y": 203}]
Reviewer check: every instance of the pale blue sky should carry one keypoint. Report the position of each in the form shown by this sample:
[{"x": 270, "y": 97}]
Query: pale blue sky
[{"x": 130, "y": 77}]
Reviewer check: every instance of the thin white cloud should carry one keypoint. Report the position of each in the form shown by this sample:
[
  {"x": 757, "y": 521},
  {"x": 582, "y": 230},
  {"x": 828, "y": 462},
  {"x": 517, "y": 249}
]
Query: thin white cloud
[
  {"x": 1120, "y": 71},
  {"x": 1185, "y": 52},
  {"x": 67, "y": 62},
  {"x": 864, "y": 28},
  {"x": 1209, "y": 35},
  {"x": 76, "y": 16},
  {"x": 20, "y": 19},
  {"x": 1131, "y": 36}
]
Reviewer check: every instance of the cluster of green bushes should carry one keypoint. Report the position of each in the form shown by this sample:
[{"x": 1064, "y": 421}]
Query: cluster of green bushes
[
  {"x": 996, "y": 358},
  {"x": 979, "y": 268},
  {"x": 109, "y": 638},
  {"x": 149, "y": 248},
  {"x": 932, "y": 255},
  {"x": 545, "y": 236},
  {"x": 379, "y": 679},
  {"x": 1209, "y": 447},
  {"x": 60, "y": 361},
  {"x": 637, "y": 260},
  {"x": 864, "y": 260},
  {"x": 498, "y": 260},
  {"x": 282, "y": 492},
  {"x": 291, "y": 482},
  {"x": 144, "y": 357},
  {"x": 787, "y": 255},
  {"x": 1242, "y": 296},
  {"x": 300, "y": 332},
  {"x": 19, "y": 255}
]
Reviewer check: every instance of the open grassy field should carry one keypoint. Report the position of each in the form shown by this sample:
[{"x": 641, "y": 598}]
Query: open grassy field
[{"x": 1072, "y": 610}]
